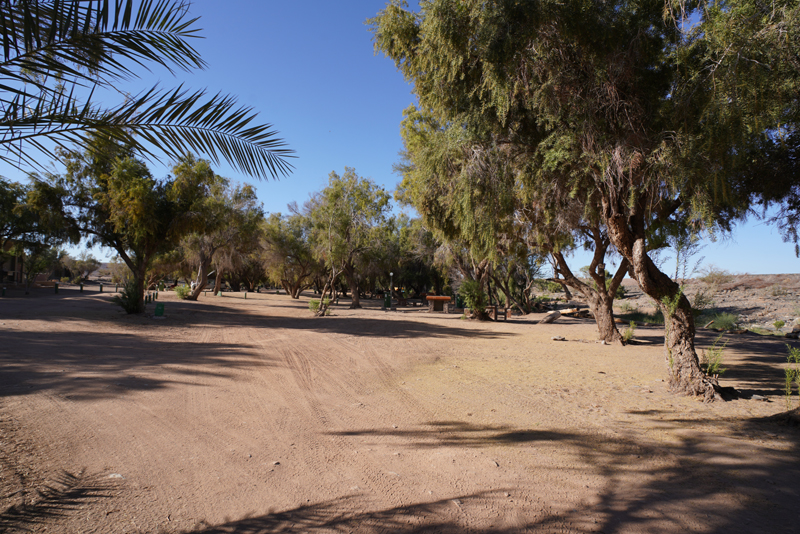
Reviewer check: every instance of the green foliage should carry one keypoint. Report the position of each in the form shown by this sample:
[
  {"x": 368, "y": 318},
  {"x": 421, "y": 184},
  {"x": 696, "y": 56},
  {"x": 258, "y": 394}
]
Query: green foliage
[
  {"x": 548, "y": 286},
  {"x": 128, "y": 297},
  {"x": 779, "y": 324},
  {"x": 82, "y": 266},
  {"x": 702, "y": 301},
  {"x": 288, "y": 252},
  {"x": 792, "y": 374},
  {"x": 474, "y": 297},
  {"x": 725, "y": 321},
  {"x": 313, "y": 305},
  {"x": 55, "y": 49},
  {"x": 629, "y": 332},
  {"x": 656, "y": 318},
  {"x": 183, "y": 292},
  {"x": 712, "y": 358}
]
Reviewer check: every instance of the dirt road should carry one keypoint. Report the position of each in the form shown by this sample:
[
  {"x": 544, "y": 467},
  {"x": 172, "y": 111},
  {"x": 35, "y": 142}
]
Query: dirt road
[{"x": 249, "y": 415}]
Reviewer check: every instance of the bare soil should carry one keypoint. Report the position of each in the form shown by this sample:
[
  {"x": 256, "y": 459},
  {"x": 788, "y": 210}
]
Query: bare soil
[{"x": 252, "y": 416}]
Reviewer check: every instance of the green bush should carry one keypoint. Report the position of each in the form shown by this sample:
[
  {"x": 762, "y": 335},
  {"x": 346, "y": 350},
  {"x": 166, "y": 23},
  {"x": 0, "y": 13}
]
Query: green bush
[
  {"x": 792, "y": 374},
  {"x": 627, "y": 335},
  {"x": 778, "y": 324},
  {"x": 656, "y": 318},
  {"x": 127, "y": 299},
  {"x": 313, "y": 305},
  {"x": 474, "y": 297},
  {"x": 183, "y": 292},
  {"x": 550, "y": 287},
  {"x": 725, "y": 321},
  {"x": 65, "y": 280},
  {"x": 711, "y": 359}
]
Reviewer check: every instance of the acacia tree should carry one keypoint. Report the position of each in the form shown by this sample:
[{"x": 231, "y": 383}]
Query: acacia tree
[
  {"x": 345, "y": 218},
  {"x": 642, "y": 117}
]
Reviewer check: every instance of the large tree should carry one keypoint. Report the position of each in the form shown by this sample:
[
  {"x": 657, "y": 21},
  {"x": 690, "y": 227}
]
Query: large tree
[
  {"x": 59, "y": 55},
  {"x": 345, "y": 217},
  {"x": 112, "y": 199},
  {"x": 228, "y": 219},
  {"x": 288, "y": 252},
  {"x": 643, "y": 117}
]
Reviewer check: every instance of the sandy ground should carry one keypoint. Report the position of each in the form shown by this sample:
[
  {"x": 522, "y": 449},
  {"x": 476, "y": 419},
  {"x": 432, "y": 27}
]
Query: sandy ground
[{"x": 252, "y": 416}]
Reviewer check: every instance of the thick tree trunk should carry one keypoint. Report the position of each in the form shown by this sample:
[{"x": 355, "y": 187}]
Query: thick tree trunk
[
  {"x": 685, "y": 374},
  {"x": 600, "y": 302},
  {"x": 350, "y": 276},
  {"x": 217, "y": 280},
  {"x": 602, "y": 308},
  {"x": 202, "y": 278},
  {"x": 140, "y": 275}
]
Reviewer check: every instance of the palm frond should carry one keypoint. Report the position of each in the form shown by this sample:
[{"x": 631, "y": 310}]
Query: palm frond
[
  {"x": 84, "y": 40},
  {"x": 172, "y": 122},
  {"x": 55, "y": 49}
]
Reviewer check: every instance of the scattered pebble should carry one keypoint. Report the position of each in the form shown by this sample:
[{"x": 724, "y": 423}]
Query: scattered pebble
[
  {"x": 558, "y": 338},
  {"x": 276, "y": 463},
  {"x": 115, "y": 475}
]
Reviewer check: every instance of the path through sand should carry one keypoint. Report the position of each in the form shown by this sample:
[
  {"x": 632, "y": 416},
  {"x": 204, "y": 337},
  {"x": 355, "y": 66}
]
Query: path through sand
[{"x": 236, "y": 415}]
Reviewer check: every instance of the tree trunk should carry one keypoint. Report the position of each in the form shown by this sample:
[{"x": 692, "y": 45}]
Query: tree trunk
[
  {"x": 350, "y": 275},
  {"x": 202, "y": 278},
  {"x": 602, "y": 308},
  {"x": 217, "y": 280},
  {"x": 140, "y": 274},
  {"x": 600, "y": 302},
  {"x": 685, "y": 374}
]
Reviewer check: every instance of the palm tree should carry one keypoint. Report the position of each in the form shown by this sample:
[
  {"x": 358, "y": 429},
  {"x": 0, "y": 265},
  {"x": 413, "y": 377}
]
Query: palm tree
[{"x": 57, "y": 53}]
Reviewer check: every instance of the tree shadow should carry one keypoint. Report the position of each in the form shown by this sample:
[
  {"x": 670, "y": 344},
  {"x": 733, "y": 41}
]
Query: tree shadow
[
  {"x": 102, "y": 365},
  {"x": 757, "y": 363},
  {"x": 698, "y": 482},
  {"x": 66, "y": 494}
]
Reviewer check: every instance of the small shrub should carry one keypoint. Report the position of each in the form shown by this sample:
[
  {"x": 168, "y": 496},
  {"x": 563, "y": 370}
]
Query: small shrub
[
  {"x": 474, "y": 297},
  {"x": 183, "y": 292},
  {"x": 627, "y": 307},
  {"x": 703, "y": 301},
  {"x": 627, "y": 335},
  {"x": 711, "y": 359},
  {"x": 725, "y": 321},
  {"x": 792, "y": 375},
  {"x": 714, "y": 276},
  {"x": 621, "y": 292},
  {"x": 64, "y": 279},
  {"x": 777, "y": 291},
  {"x": 641, "y": 317},
  {"x": 313, "y": 305},
  {"x": 550, "y": 287},
  {"x": 778, "y": 324},
  {"x": 127, "y": 298}
]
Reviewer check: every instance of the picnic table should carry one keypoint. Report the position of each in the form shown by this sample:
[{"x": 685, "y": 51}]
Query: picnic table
[
  {"x": 436, "y": 303},
  {"x": 495, "y": 311}
]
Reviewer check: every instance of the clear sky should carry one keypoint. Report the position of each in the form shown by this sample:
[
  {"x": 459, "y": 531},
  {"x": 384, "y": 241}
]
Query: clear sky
[{"x": 308, "y": 68}]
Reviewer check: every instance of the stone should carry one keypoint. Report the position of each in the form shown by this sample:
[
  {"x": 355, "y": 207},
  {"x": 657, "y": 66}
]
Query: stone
[{"x": 550, "y": 317}]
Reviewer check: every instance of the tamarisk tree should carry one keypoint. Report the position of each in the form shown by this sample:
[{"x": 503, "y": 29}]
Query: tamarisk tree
[{"x": 625, "y": 105}]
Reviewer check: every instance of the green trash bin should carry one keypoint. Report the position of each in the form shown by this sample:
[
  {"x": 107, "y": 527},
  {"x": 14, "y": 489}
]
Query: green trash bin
[
  {"x": 159, "y": 309},
  {"x": 387, "y": 300}
]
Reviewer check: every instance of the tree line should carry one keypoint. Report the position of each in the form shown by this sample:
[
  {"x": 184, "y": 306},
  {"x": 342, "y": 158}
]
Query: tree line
[{"x": 619, "y": 126}]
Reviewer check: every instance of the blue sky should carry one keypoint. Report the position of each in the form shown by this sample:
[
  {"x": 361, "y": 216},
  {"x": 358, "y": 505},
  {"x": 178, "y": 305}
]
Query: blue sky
[{"x": 308, "y": 68}]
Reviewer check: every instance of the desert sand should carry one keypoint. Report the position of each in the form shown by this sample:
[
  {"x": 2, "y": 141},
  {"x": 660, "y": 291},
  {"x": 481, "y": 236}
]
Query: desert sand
[{"x": 252, "y": 416}]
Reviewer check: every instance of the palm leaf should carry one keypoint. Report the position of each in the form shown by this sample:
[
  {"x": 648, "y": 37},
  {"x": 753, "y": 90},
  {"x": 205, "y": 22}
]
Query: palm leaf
[{"x": 92, "y": 43}]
